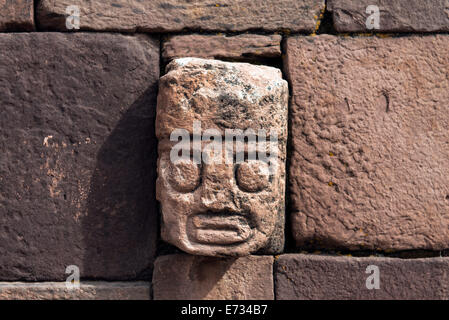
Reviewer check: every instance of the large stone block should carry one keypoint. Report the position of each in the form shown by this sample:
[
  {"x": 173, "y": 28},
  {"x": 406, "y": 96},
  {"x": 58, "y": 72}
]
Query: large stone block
[
  {"x": 186, "y": 277},
  {"x": 393, "y": 15},
  {"x": 240, "y": 47},
  {"x": 313, "y": 277},
  {"x": 78, "y": 155},
  {"x": 16, "y": 15},
  {"x": 181, "y": 15},
  {"x": 224, "y": 196},
  {"x": 370, "y": 154},
  {"x": 90, "y": 290}
]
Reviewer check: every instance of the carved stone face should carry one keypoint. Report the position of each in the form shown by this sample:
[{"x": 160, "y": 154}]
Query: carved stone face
[{"x": 214, "y": 202}]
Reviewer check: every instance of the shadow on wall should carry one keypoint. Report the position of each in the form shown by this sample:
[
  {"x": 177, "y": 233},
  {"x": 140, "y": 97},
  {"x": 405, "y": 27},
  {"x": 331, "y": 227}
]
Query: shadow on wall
[{"x": 121, "y": 225}]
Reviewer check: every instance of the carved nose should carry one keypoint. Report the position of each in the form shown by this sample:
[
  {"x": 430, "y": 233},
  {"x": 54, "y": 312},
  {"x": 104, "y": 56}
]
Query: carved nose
[
  {"x": 216, "y": 200},
  {"x": 216, "y": 189}
]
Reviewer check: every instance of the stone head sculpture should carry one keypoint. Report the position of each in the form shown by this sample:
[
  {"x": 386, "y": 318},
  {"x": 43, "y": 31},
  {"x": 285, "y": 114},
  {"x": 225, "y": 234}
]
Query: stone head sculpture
[{"x": 222, "y": 131}]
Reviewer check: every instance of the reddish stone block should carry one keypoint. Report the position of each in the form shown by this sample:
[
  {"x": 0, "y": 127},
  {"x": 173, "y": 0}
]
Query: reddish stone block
[
  {"x": 241, "y": 47},
  {"x": 16, "y": 15},
  {"x": 181, "y": 15},
  {"x": 369, "y": 164},
  {"x": 186, "y": 277},
  {"x": 393, "y": 15},
  {"x": 89, "y": 290},
  {"x": 78, "y": 155},
  {"x": 313, "y": 277}
]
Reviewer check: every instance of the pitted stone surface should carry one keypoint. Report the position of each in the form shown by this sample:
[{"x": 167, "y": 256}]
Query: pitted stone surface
[
  {"x": 241, "y": 47},
  {"x": 394, "y": 15},
  {"x": 78, "y": 155},
  {"x": 314, "y": 277},
  {"x": 222, "y": 208},
  {"x": 16, "y": 15},
  {"x": 89, "y": 290},
  {"x": 186, "y": 277},
  {"x": 181, "y": 15},
  {"x": 370, "y": 147}
]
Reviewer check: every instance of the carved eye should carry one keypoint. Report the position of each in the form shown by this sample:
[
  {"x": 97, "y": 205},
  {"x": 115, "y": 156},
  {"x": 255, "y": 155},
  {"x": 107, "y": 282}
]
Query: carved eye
[
  {"x": 184, "y": 175},
  {"x": 253, "y": 176}
]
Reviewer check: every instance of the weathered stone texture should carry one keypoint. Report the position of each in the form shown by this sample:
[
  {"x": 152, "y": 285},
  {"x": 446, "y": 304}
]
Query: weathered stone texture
[
  {"x": 77, "y": 168},
  {"x": 395, "y": 15},
  {"x": 240, "y": 47},
  {"x": 90, "y": 290},
  {"x": 370, "y": 146},
  {"x": 313, "y": 277},
  {"x": 16, "y": 15},
  {"x": 186, "y": 277},
  {"x": 222, "y": 208},
  {"x": 180, "y": 15}
]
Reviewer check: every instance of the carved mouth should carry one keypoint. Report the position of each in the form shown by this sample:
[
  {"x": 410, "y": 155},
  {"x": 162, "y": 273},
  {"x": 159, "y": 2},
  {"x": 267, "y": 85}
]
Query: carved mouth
[{"x": 220, "y": 228}]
